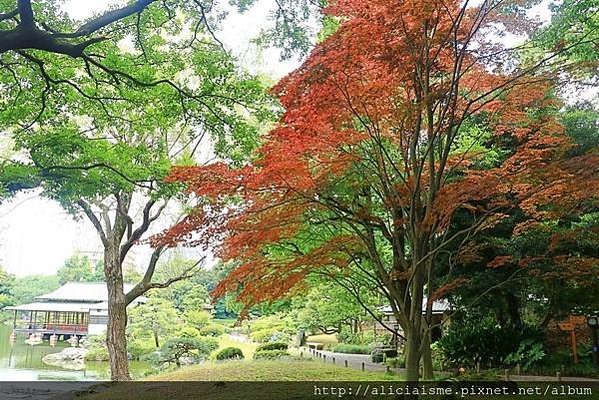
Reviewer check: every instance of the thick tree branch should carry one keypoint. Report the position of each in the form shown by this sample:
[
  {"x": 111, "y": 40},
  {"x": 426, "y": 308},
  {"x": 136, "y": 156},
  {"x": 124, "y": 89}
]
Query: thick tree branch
[
  {"x": 146, "y": 283},
  {"x": 107, "y": 19},
  {"x": 25, "y": 12},
  {"x": 9, "y": 15},
  {"x": 28, "y": 36},
  {"x": 94, "y": 220},
  {"x": 143, "y": 228}
]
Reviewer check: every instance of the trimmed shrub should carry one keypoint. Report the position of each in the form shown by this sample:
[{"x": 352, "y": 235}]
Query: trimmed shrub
[
  {"x": 272, "y": 346},
  {"x": 189, "y": 332},
  {"x": 229, "y": 353},
  {"x": 270, "y": 354},
  {"x": 351, "y": 348},
  {"x": 173, "y": 350},
  {"x": 212, "y": 330},
  {"x": 97, "y": 354}
]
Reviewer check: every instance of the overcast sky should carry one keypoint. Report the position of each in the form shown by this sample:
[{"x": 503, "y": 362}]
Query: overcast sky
[{"x": 36, "y": 235}]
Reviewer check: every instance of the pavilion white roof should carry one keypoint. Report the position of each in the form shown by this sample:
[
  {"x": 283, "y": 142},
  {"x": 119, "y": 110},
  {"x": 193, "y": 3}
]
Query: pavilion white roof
[{"x": 81, "y": 292}]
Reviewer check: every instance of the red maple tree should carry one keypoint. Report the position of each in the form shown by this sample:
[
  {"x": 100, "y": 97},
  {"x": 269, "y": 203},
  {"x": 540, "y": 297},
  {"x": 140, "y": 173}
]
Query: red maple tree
[{"x": 386, "y": 134}]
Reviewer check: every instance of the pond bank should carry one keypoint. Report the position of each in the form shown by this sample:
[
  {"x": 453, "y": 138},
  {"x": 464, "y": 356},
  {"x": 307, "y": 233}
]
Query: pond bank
[{"x": 22, "y": 362}]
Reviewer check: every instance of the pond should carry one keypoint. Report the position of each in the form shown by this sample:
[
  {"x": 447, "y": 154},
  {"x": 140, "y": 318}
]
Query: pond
[{"x": 22, "y": 362}]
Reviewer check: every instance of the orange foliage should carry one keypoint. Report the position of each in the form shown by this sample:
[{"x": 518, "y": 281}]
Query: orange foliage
[{"x": 377, "y": 106}]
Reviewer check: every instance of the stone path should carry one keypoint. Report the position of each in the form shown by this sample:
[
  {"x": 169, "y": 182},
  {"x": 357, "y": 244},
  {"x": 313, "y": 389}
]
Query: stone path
[{"x": 356, "y": 361}]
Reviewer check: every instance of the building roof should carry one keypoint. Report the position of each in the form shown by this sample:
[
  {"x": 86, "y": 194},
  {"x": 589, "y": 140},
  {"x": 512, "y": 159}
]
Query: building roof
[
  {"x": 81, "y": 292},
  {"x": 439, "y": 306}
]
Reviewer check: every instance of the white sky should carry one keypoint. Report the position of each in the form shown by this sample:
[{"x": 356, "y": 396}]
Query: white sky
[{"x": 36, "y": 234}]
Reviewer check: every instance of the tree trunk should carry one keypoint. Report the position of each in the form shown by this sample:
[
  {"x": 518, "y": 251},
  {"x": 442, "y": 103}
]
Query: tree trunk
[
  {"x": 412, "y": 355},
  {"x": 116, "y": 339},
  {"x": 427, "y": 358},
  {"x": 156, "y": 339}
]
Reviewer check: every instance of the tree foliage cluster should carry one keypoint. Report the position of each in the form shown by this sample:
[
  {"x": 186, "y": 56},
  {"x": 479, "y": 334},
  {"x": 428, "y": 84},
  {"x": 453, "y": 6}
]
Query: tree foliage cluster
[
  {"x": 418, "y": 157},
  {"x": 408, "y": 134}
]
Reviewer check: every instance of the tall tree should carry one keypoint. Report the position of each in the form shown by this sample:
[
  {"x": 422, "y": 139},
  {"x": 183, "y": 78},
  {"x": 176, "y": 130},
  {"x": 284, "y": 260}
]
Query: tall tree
[
  {"x": 106, "y": 160},
  {"x": 381, "y": 144},
  {"x": 549, "y": 270}
]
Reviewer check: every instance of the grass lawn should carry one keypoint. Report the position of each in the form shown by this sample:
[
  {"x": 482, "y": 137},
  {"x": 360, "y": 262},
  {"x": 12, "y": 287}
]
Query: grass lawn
[
  {"x": 324, "y": 339},
  {"x": 216, "y": 378},
  {"x": 248, "y": 349},
  {"x": 228, "y": 322},
  {"x": 280, "y": 370}
]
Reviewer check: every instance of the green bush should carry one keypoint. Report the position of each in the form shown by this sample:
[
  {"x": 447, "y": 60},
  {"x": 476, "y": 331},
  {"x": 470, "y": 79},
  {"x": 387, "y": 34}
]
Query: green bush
[
  {"x": 270, "y": 354},
  {"x": 173, "y": 350},
  {"x": 528, "y": 354},
  {"x": 351, "y": 348},
  {"x": 562, "y": 360},
  {"x": 229, "y": 353},
  {"x": 270, "y": 335},
  {"x": 97, "y": 354},
  {"x": 377, "y": 357},
  {"x": 276, "y": 321},
  {"x": 189, "y": 332},
  {"x": 481, "y": 340},
  {"x": 212, "y": 330},
  {"x": 140, "y": 348},
  {"x": 397, "y": 362},
  {"x": 364, "y": 338},
  {"x": 272, "y": 346},
  {"x": 96, "y": 344}
]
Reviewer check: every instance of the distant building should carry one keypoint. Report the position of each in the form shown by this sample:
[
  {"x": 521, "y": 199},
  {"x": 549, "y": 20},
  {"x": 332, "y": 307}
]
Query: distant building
[
  {"x": 76, "y": 308},
  {"x": 441, "y": 310}
]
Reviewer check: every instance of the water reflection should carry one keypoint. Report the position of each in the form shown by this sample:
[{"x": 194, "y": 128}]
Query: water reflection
[{"x": 22, "y": 362}]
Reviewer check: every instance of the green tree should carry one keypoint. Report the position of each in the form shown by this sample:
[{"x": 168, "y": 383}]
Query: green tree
[
  {"x": 156, "y": 318},
  {"x": 541, "y": 275},
  {"x": 574, "y": 21},
  {"x": 78, "y": 268},
  {"x": 26, "y": 288},
  {"x": 197, "y": 318},
  {"x": 108, "y": 163},
  {"x": 330, "y": 309},
  {"x": 173, "y": 350},
  {"x": 7, "y": 282},
  {"x": 190, "y": 294}
]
